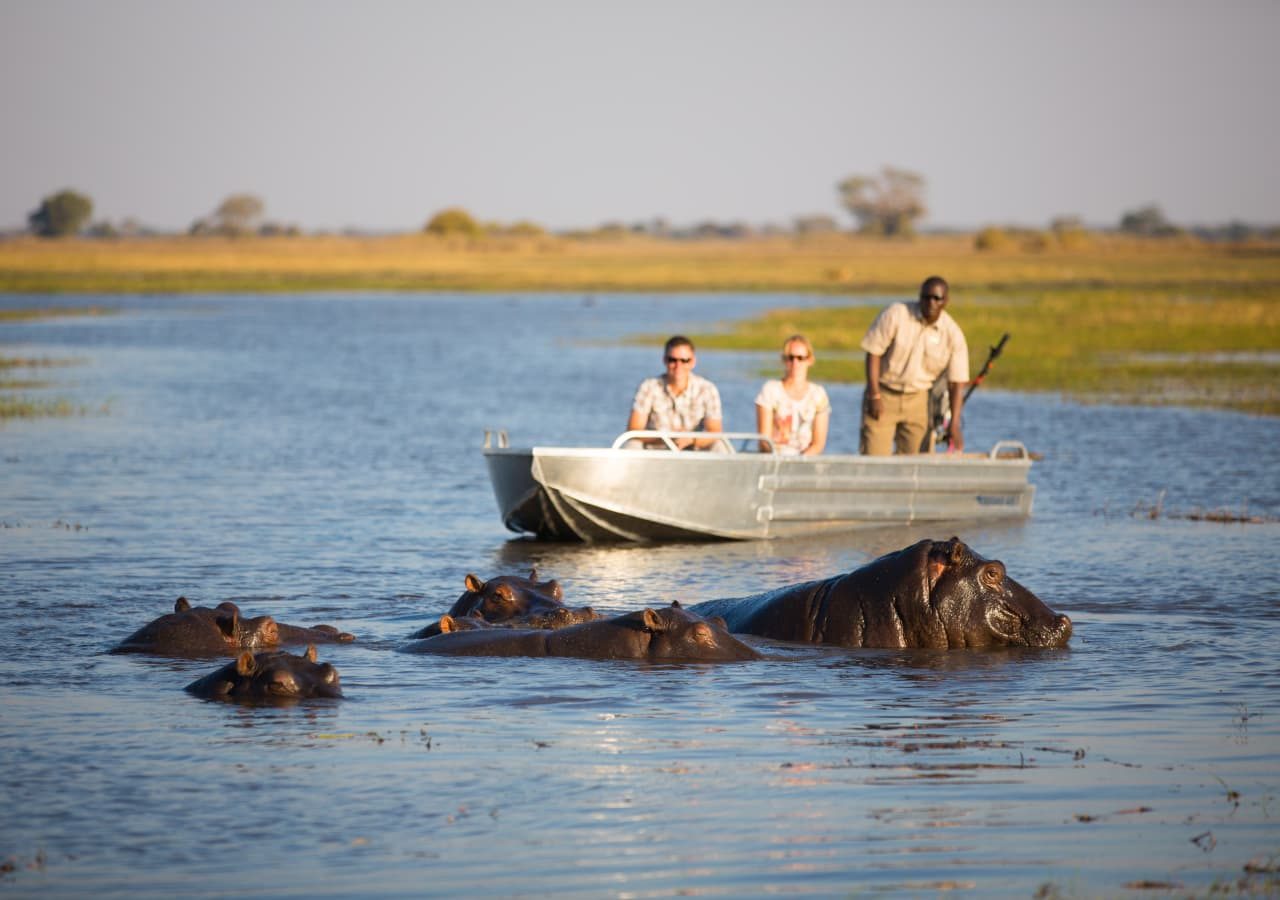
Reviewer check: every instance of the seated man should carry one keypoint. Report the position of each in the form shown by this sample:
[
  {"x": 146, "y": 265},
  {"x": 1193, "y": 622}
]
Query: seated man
[{"x": 678, "y": 400}]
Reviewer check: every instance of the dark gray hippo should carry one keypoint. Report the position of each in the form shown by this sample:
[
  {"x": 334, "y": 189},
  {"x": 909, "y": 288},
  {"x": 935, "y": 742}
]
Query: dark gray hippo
[
  {"x": 276, "y": 675},
  {"x": 194, "y": 631},
  {"x": 667, "y": 634},
  {"x": 934, "y": 594},
  {"x": 515, "y": 602}
]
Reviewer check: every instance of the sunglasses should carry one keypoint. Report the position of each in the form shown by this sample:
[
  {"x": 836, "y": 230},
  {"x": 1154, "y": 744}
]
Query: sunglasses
[
  {"x": 794, "y": 357},
  {"x": 684, "y": 360},
  {"x": 939, "y": 297}
]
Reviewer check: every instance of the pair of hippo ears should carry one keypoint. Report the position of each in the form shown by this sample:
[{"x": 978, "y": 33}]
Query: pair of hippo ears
[
  {"x": 247, "y": 663},
  {"x": 552, "y": 587}
]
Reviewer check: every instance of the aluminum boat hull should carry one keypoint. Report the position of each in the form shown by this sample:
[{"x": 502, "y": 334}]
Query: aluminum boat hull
[{"x": 613, "y": 494}]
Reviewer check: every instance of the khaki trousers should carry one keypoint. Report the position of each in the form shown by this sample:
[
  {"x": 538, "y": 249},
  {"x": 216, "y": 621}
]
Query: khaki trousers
[{"x": 902, "y": 427}]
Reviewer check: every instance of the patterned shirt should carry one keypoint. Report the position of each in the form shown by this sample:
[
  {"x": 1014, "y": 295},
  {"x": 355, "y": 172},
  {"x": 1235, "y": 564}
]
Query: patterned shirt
[
  {"x": 916, "y": 353},
  {"x": 793, "y": 419},
  {"x": 687, "y": 412}
]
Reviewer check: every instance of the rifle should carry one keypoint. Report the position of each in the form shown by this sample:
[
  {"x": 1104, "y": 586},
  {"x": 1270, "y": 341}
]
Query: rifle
[
  {"x": 986, "y": 366},
  {"x": 939, "y": 405}
]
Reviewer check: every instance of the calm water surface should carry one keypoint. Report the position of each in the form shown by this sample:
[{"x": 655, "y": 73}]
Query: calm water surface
[{"x": 317, "y": 458}]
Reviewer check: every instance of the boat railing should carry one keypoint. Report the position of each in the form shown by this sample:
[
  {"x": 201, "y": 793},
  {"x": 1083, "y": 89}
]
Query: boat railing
[
  {"x": 1009, "y": 450},
  {"x": 722, "y": 441},
  {"x": 496, "y": 437}
]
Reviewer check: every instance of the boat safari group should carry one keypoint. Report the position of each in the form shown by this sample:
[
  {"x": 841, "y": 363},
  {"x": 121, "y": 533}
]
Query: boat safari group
[{"x": 743, "y": 488}]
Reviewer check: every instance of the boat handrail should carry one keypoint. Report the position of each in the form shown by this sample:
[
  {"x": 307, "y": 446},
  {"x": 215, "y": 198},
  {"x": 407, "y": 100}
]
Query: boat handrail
[
  {"x": 722, "y": 439},
  {"x": 498, "y": 435},
  {"x": 1018, "y": 446}
]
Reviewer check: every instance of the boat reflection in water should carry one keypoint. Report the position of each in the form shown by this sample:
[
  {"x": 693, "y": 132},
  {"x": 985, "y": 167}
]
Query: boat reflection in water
[{"x": 737, "y": 491}]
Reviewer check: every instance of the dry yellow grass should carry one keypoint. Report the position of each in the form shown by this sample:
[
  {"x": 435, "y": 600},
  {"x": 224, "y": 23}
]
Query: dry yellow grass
[{"x": 830, "y": 264}]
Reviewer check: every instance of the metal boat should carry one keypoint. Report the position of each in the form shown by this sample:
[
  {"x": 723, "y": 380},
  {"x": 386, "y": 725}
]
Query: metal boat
[{"x": 742, "y": 488}]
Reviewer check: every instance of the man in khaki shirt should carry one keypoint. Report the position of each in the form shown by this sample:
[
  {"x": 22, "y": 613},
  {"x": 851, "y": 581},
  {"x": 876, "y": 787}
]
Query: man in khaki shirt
[{"x": 908, "y": 346}]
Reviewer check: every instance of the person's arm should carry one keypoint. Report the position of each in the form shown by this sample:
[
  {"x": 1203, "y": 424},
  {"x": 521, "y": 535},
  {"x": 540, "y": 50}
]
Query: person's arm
[
  {"x": 872, "y": 401},
  {"x": 764, "y": 425},
  {"x": 819, "y": 442},
  {"x": 710, "y": 425},
  {"x": 639, "y": 421},
  {"x": 956, "y": 434}
]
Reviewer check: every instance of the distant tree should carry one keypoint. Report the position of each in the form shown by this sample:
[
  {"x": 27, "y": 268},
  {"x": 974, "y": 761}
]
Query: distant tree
[
  {"x": 238, "y": 214},
  {"x": 1070, "y": 232},
  {"x": 61, "y": 214},
  {"x": 525, "y": 228},
  {"x": 819, "y": 223},
  {"x": 993, "y": 239},
  {"x": 454, "y": 221},
  {"x": 886, "y": 204},
  {"x": 1148, "y": 221}
]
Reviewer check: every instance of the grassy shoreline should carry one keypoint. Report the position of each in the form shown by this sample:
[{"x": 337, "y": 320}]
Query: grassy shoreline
[
  {"x": 833, "y": 264},
  {"x": 1114, "y": 319}
]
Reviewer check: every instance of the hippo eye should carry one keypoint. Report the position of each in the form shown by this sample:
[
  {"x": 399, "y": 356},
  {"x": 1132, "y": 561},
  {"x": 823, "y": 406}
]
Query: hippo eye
[{"x": 992, "y": 574}]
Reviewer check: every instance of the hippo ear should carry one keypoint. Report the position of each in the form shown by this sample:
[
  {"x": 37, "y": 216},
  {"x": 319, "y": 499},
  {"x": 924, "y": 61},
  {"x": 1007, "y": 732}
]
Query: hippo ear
[
  {"x": 675, "y": 604},
  {"x": 447, "y": 625},
  {"x": 652, "y": 622},
  {"x": 310, "y": 654},
  {"x": 473, "y": 583},
  {"x": 553, "y": 588},
  {"x": 533, "y": 574},
  {"x": 228, "y": 622},
  {"x": 245, "y": 663},
  {"x": 959, "y": 552},
  {"x": 181, "y": 605}
]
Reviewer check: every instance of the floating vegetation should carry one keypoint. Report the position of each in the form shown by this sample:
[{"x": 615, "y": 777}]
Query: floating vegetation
[
  {"x": 13, "y": 406},
  {"x": 27, "y": 408},
  {"x": 1241, "y": 515}
]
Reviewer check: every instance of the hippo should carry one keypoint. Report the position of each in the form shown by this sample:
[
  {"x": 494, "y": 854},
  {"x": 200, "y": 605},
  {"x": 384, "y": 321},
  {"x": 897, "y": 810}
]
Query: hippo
[
  {"x": 934, "y": 594},
  {"x": 516, "y": 602},
  {"x": 195, "y": 631},
  {"x": 668, "y": 634},
  {"x": 276, "y": 675}
]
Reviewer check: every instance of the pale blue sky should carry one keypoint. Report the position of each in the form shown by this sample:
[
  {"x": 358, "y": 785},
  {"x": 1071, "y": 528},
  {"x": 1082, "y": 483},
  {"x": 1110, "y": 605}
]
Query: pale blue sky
[{"x": 573, "y": 112}]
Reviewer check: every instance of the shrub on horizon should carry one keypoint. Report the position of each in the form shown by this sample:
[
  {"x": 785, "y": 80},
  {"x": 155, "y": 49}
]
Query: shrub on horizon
[{"x": 453, "y": 222}]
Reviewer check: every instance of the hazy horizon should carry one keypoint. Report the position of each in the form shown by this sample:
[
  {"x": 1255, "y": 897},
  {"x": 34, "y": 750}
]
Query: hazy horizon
[{"x": 572, "y": 113}]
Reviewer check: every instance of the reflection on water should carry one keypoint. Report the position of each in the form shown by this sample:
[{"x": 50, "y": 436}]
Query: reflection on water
[{"x": 314, "y": 458}]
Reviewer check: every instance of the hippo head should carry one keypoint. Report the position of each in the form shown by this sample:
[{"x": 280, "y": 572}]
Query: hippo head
[
  {"x": 675, "y": 633},
  {"x": 260, "y": 632},
  {"x": 507, "y": 596},
  {"x": 270, "y": 676},
  {"x": 979, "y": 605}
]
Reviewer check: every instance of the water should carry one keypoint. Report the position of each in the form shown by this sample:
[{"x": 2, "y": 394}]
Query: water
[{"x": 317, "y": 458}]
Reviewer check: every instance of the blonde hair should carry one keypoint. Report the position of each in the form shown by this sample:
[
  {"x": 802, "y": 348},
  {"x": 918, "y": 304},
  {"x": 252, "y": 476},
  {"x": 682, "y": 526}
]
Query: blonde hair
[{"x": 799, "y": 339}]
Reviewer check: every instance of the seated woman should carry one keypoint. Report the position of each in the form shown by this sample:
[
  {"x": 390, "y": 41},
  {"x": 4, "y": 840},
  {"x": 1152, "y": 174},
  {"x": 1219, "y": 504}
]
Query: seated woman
[{"x": 793, "y": 412}]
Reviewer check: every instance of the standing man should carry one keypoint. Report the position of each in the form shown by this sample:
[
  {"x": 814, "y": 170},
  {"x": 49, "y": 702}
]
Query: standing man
[
  {"x": 908, "y": 346},
  {"x": 678, "y": 400}
]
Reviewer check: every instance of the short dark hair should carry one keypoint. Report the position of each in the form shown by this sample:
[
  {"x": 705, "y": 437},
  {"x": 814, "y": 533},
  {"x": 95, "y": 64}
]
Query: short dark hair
[
  {"x": 935, "y": 281},
  {"x": 678, "y": 340}
]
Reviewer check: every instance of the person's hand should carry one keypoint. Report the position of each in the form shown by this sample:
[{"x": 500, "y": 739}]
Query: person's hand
[
  {"x": 955, "y": 438},
  {"x": 875, "y": 406}
]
